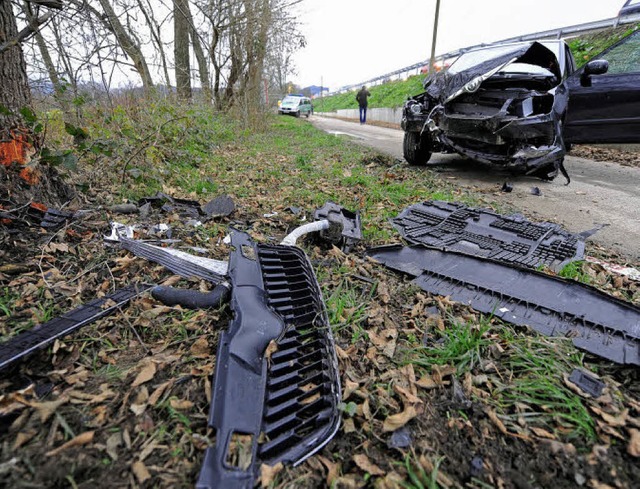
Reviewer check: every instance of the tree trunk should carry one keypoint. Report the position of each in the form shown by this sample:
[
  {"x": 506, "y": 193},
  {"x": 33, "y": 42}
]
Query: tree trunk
[
  {"x": 181, "y": 48},
  {"x": 16, "y": 139}
]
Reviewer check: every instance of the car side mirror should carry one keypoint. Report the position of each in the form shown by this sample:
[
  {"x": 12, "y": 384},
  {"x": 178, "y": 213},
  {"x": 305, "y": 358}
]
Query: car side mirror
[{"x": 595, "y": 67}]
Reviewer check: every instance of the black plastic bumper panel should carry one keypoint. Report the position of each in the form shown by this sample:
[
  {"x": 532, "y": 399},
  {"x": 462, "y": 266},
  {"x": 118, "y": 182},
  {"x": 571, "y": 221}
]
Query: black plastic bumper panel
[
  {"x": 44, "y": 334},
  {"x": 596, "y": 322},
  {"x": 480, "y": 232},
  {"x": 274, "y": 404}
]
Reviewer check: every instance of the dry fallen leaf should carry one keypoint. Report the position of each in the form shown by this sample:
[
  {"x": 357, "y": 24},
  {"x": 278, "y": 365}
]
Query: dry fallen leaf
[
  {"x": 81, "y": 439},
  {"x": 542, "y": 433},
  {"x": 333, "y": 469},
  {"x": 181, "y": 404},
  {"x": 23, "y": 437},
  {"x": 633, "y": 448},
  {"x": 426, "y": 382},
  {"x": 46, "y": 409},
  {"x": 367, "y": 465},
  {"x": 140, "y": 471},
  {"x": 268, "y": 473},
  {"x": 146, "y": 374},
  {"x": 200, "y": 348},
  {"x": 157, "y": 393},
  {"x": 395, "y": 421}
]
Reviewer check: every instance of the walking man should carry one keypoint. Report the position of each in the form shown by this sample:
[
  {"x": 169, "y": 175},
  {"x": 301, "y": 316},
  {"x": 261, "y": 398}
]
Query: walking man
[{"x": 361, "y": 97}]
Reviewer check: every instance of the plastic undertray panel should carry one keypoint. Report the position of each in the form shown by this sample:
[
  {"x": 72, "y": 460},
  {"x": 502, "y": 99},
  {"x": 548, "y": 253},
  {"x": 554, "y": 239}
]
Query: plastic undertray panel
[
  {"x": 595, "y": 322},
  {"x": 481, "y": 232},
  {"x": 42, "y": 335},
  {"x": 276, "y": 385}
]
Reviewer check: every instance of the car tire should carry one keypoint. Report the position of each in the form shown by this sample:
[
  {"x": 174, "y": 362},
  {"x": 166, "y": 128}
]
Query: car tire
[
  {"x": 297, "y": 114},
  {"x": 308, "y": 114},
  {"x": 416, "y": 149}
]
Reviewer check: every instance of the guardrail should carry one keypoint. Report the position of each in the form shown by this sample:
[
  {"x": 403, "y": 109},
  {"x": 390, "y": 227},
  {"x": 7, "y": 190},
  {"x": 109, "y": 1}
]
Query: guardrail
[{"x": 549, "y": 34}]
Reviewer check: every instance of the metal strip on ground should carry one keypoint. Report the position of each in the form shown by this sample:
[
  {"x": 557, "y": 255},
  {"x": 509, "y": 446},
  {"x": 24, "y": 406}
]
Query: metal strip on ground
[
  {"x": 595, "y": 322},
  {"x": 40, "y": 336},
  {"x": 177, "y": 261}
]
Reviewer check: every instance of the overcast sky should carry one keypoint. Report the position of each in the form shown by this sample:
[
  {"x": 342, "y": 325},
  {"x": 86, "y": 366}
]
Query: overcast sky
[{"x": 349, "y": 41}]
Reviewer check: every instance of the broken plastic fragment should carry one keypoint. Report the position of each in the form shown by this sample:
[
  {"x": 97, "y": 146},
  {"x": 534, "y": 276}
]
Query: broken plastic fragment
[
  {"x": 587, "y": 382},
  {"x": 345, "y": 229},
  {"x": 179, "y": 262},
  {"x": 221, "y": 206}
]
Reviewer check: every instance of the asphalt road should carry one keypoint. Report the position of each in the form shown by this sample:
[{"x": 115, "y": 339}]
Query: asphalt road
[{"x": 600, "y": 192}]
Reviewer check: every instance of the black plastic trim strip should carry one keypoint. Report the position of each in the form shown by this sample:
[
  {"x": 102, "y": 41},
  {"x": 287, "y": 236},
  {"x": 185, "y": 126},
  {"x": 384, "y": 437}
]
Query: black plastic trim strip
[{"x": 43, "y": 334}]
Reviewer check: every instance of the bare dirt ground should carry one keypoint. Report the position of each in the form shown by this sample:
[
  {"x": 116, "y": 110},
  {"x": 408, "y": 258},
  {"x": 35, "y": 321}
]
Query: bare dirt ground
[{"x": 601, "y": 190}]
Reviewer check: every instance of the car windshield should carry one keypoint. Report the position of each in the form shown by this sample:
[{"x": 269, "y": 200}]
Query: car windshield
[
  {"x": 291, "y": 100},
  {"x": 474, "y": 58}
]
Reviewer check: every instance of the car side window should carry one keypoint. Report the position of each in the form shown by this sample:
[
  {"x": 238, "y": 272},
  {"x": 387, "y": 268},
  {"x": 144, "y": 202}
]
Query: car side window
[{"x": 624, "y": 58}]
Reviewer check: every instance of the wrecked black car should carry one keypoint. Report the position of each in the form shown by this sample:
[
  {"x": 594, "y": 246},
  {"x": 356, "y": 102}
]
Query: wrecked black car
[{"x": 510, "y": 106}]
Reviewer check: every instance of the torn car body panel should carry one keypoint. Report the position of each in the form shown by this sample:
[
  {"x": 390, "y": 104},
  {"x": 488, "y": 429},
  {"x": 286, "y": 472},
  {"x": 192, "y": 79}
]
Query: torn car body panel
[
  {"x": 276, "y": 386},
  {"x": 595, "y": 322}
]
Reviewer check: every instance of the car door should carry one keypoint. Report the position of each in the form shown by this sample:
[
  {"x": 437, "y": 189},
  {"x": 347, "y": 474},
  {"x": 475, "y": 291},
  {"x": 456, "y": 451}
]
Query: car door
[{"x": 606, "y": 108}]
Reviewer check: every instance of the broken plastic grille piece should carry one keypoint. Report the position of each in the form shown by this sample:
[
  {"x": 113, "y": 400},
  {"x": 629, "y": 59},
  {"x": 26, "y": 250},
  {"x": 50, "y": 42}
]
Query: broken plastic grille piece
[
  {"x": 480, "y": 232},
  {"x": 276, "y": 386},
  {"x": 596, "y": 322},
  {"x": 44, "y": 334},
  {"x": 177, "y": 261}
]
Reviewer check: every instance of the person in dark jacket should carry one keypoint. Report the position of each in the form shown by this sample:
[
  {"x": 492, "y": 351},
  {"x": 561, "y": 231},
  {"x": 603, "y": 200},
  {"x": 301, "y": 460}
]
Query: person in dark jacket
[{"x": 361, "y": 97}]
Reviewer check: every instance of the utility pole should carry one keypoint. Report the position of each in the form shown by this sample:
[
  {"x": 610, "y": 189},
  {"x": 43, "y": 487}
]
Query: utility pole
[
  {"x": 432, "y": 60},
  {"x": 321, "y": 94}
]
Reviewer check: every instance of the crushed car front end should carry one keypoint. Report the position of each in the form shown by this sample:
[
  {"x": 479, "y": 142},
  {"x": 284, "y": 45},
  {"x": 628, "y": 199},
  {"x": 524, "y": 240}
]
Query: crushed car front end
[{"x": 504, "y": 111}]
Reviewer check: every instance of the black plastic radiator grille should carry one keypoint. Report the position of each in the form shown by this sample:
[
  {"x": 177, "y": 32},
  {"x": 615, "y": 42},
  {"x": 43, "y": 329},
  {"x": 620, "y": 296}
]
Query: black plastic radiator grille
[
  {"x": 285, "y": 402},
  {"x": 302, "y": 382}
]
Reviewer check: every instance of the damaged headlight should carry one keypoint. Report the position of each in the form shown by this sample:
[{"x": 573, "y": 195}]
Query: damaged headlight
[
  {"x": 415, "y": 109},
  {"x": 474, "y": 84}
]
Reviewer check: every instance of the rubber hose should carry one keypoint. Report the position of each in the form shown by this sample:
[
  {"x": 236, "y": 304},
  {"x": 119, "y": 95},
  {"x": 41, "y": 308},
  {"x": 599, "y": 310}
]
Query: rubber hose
[{"x": 192, "y": 299}]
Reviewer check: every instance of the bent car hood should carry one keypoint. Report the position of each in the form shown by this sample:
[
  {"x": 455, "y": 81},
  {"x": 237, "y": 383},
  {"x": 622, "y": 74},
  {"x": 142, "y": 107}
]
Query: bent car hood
[{"x": 447, "y": 86}]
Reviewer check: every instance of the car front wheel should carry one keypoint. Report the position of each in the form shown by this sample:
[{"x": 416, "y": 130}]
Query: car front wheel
[
  {"x": 416, "y": 149},
  {"x": 297, "y": 114}
]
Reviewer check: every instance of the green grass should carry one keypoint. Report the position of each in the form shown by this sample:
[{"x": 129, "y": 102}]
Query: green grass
[
  {"x": 390, "y": 94},
  {"x": 585, "y": 47},
  {"x": 462, "y": 344},
  {"x": 535, "y": 369},
  {"x": 418, "y": 477},
  {"x": 575, "y": 270}
]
